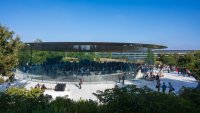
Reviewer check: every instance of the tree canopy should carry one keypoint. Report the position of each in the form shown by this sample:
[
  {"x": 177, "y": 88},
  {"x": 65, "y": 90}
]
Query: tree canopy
[
  {"x": 190, "y": 61},
  {"x": 128, "y": 99},
  {"x": 168, "y": 60},
  {"x": 9, "y": 46},
  {"x": 150, "y": 57}
]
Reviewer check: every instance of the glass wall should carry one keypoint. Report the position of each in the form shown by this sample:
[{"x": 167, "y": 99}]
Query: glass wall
[{"x": 89, "y": 66}]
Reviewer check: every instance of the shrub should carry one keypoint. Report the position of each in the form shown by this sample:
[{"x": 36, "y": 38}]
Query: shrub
[
  {"x": 129, "y": 99},
  {"x": 61, "y": 105},
  {"x": 2, "y": 80},
  {"x": 192, "y": 95}
]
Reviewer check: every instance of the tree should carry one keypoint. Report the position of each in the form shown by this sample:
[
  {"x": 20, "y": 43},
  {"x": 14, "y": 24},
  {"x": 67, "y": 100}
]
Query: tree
[
  {"x": 196, "y": 68},
  {"x": 192, "y": 95},
  {"x": 84, "y": 55},
  {"x": 37, "y": 56},
  {"x": 150, "y": 57},
  {"x": 168, "y": 59},
  {"x": 131, "y": 99},
  {"x": 186, "y": 60},
  {"x": 9, "y": 46}
]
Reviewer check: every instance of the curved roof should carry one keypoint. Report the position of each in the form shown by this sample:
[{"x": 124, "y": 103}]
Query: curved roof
[{"x": 91, "y": 46}]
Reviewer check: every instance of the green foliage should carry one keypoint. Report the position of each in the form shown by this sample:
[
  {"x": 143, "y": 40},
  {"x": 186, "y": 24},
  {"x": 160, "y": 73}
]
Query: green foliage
[
  {"x": 16, "y": 100},
  {"x": 192, "y": 95},
  {"x": 38, "y": 57},
  {"x": 9, "y": 46},
  {"x": 83, "y": 55},
  {"x": 2, "y": 80},
  {"x": 20, "y": 100},
  {"x": 190, "y": 61},
  {"x": 61, "y": 105},
  {"x": 24, "y": 56},
  {"x": 110, "y": 55},
  {"x": 45, "y": 56},
  {"x": 131, "y": 99},
  {"x": 196, "y": 69},
  {"x": 150, "y": 57},
  {"x": 196, "y": 65},
  {"x": 178, "y": 60},
  {"x": 186, "y": 60},
  {"x": 168, "y": 59}
]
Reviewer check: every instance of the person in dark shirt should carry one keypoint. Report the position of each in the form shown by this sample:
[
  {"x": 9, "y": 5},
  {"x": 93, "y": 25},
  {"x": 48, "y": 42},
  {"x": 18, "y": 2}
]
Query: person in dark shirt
[
  {"x": 43, "y": 87},
  {"x": 171, "y": 89},
  {"x": 80, "y": 83},
  {"x": 158, "y": 85},
  {"x": 164, "y": 87},
  {"x": 123, "y": 78},
  {"x": 157, "y": 77}
]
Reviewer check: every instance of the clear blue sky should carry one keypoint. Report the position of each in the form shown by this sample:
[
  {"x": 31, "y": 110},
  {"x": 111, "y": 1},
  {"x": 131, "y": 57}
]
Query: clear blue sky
[{"x": 174, "y": 23}]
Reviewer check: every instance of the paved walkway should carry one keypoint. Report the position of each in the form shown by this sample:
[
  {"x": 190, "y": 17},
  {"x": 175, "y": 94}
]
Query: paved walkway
[
  {"x": 72, "y": 90},
  {"x": 177, "y": 80}
]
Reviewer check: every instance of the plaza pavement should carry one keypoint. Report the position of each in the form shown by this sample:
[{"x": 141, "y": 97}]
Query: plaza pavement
[{"x": 72, "y": 90}]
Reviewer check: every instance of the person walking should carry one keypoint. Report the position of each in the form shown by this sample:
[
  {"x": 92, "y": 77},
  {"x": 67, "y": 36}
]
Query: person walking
[
  {"x": 158, "y": 85},
  {"x": 123, "y": 78},
  {"x": 171, "y": 89},
  {"x": 157, "y": 77},
  {"x": 80, "y": 83},
  {"x": 164, "y": 87}
]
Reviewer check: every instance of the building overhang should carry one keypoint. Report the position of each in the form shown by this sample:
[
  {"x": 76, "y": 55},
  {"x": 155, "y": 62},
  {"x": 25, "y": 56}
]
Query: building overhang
[{"x": 91, "y": 46}]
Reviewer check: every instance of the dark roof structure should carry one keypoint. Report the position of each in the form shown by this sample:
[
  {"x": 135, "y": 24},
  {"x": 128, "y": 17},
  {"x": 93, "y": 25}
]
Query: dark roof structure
[{"x": 91, "y": 46}]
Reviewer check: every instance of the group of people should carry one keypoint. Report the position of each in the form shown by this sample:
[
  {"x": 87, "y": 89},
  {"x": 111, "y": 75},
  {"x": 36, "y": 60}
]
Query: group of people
[
  {"x": 180, "y": 70},
  {"x": 83, "y": 67},
  {"x": 122, "y": 78},
  {"x": 163, "y": 86},
  {"x": 152, "y": 75},
  {"x": 40, "y": 86}
]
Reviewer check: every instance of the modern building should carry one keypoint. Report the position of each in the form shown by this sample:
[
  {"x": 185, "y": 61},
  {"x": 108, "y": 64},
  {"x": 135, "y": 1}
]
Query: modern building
[
  {"x": 133, "y": 51},
  {"x": 91, "y": 71},
  {"x": 168, "y": 52}
]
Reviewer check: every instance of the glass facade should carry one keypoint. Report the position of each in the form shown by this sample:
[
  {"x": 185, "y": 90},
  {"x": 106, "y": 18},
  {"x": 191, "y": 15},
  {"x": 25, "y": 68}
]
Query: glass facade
[{"x": 94, "y": 62}]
